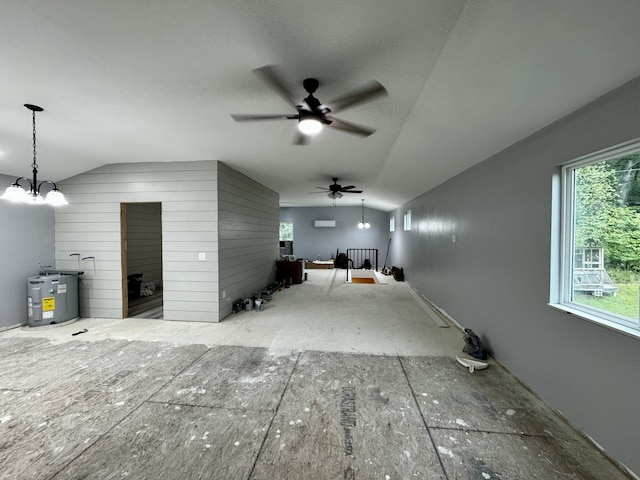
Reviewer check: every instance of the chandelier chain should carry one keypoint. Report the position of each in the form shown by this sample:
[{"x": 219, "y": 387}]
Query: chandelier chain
[{"x": 34, "y": 165}]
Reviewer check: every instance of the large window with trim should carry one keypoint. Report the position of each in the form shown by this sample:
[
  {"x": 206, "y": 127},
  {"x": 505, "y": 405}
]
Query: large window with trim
[{"x": 597, "y": 251}]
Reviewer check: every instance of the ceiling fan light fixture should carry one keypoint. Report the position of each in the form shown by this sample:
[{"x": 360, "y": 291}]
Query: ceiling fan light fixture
[{"x": 309, "y": 126}]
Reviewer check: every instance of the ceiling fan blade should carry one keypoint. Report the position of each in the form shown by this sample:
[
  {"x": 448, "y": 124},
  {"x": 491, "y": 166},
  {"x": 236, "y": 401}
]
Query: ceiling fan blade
[
  {"x": 351, "y": 191},
  {"x": 272, "y": 76},
  {"x": 300, "y": 139},
  {"x": 240, "y": 117},
  {"x": 348, "y": 187},
  {"x": 350, "y": 127},
  {"x": 310, "y": 193},
  {"x": 364, "y": 94}
]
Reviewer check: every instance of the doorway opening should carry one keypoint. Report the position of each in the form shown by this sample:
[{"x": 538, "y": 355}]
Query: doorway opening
[
  {"x": 286, "y": 238},
  {"x": 141, "y": 243}
]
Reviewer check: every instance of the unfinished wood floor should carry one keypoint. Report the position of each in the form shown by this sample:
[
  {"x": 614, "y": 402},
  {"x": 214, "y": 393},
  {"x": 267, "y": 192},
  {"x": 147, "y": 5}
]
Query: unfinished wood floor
[{"x": 112, "y": 409}]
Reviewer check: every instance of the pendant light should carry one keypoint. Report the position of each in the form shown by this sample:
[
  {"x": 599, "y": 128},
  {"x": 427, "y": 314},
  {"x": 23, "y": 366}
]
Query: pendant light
[
  {"x": 15, "y": 192},
  {"x": 362, "y": 223}
]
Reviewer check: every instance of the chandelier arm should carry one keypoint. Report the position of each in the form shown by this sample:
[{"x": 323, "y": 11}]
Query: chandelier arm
[
  {"x": 17, "y": 182},
  {"x": 55, "y": 187}
]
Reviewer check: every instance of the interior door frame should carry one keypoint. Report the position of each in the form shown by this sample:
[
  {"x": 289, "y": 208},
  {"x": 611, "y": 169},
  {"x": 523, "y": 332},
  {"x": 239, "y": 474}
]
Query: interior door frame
[{"x": 123, "y": 259}]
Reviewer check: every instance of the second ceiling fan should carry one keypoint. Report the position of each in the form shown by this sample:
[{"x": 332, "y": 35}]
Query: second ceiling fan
[
  {"x": 311, "y": 114},
  {"x": 336, "y": 190}
]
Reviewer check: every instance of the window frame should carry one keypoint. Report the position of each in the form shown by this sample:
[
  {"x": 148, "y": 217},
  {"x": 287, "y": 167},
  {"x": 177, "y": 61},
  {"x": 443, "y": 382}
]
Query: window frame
[
  {"x": 406, "y": 221},
  {"x": 562, "y": 253},
  {"x": 280, "y": 231},
  {"x": 392, "y": 224}
]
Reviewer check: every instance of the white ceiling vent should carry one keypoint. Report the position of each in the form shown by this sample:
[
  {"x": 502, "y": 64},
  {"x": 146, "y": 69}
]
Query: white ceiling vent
[{"x": 324, "y": 224}]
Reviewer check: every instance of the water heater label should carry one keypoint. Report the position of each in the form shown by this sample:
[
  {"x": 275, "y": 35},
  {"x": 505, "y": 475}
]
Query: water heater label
[
  {"x": 48, "y": 304},
  {"x": 62, "y": 288},
  {"x": 47, "y": 315}
]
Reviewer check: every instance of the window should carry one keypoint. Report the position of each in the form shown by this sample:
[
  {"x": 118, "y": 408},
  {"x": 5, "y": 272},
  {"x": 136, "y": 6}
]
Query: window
[
  {"x": 392, "y": 224},
  {"x": 407, "y": 220},
  {"x": 286, "y": 231},
  {"x": 596, "y": 252}
]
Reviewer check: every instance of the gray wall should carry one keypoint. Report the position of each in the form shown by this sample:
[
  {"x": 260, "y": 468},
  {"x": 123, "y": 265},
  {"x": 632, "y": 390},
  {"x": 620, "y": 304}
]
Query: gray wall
[
  {"x": 248, "y": 236},
  {"x": 26, "y": 239},
  {"x": 495, "y": 278},
  {"x": 310, "y": 242}
]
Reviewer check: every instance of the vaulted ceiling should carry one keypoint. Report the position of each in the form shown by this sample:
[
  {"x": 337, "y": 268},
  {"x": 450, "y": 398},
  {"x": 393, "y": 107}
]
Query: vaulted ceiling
[{"x": 158, "y": 80}]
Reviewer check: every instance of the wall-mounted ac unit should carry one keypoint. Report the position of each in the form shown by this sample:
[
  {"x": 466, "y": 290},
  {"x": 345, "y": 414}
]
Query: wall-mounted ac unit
[{"x": 324, "y": 224}]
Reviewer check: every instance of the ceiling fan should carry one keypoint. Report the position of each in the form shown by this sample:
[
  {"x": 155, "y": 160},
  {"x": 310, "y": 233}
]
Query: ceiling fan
[
  {"x": 336, "y": 190},
  {"x": 311, "y": 114}
]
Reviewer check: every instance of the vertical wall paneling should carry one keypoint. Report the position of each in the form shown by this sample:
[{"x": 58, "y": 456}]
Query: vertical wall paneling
[{"x": 248, "y": 216}]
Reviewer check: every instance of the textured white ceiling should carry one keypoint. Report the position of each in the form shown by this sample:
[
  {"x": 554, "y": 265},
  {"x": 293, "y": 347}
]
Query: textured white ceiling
[{"x": 157, "y": 80}]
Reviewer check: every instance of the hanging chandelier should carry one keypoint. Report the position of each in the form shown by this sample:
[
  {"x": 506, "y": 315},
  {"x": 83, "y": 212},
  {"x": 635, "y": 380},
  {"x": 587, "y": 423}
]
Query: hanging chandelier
[
  {"x": 362, "y": 223},
  {"x": 15, "y": 192}
]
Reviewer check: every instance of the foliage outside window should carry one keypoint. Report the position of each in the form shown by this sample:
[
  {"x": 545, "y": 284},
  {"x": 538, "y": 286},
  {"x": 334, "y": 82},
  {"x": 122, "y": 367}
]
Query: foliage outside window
[
  {"x": 286, "y": 231},
  {"x": 600, "y": 260},
  {"x": 392, "y": 224}
]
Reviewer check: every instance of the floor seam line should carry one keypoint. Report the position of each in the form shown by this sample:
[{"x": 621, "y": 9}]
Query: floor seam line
[
  {"x": 424, "y": 422},
  {"x": 493, "y": 432},
  {"x": 197, "y": 405},
  {"x": 275, "y": 412},
  {"x": 131, "y": 412}
]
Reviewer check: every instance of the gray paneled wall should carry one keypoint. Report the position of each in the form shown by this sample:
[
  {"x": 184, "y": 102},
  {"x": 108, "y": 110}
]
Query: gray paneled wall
[
  {"x": 26, "y": 239},
  {"x": 144, "y": 241},
  {"x": 495, "y": 277},
  {"x": 90, "y": 225},
  {"x": 248, "y": 236}
]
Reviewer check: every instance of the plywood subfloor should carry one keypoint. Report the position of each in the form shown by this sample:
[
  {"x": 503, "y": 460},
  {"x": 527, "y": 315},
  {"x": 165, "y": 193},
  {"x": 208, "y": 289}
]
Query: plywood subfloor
[{"x": 148, "y": 410}]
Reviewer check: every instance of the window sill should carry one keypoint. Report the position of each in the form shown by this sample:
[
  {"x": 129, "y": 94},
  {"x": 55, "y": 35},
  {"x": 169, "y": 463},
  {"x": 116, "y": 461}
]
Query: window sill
[{"x": 598, "y": 320}]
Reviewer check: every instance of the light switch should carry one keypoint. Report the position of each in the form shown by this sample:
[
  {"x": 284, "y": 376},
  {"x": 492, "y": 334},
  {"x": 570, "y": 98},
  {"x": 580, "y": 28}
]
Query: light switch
[
  {"x": 453, "y": 238},
  {"x": 202, "y": 256}
]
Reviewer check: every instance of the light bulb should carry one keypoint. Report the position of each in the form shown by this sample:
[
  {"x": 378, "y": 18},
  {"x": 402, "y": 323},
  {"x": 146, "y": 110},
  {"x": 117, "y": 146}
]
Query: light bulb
[{"x": 309, "y": 126}]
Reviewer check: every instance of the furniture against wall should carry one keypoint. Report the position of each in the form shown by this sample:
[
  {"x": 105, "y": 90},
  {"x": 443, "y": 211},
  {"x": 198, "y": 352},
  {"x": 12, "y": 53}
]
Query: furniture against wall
[
  {"x": 286, "y": 247},
  {"x": 319, "y": 264},
  {"x": 290, "y": 269}
]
